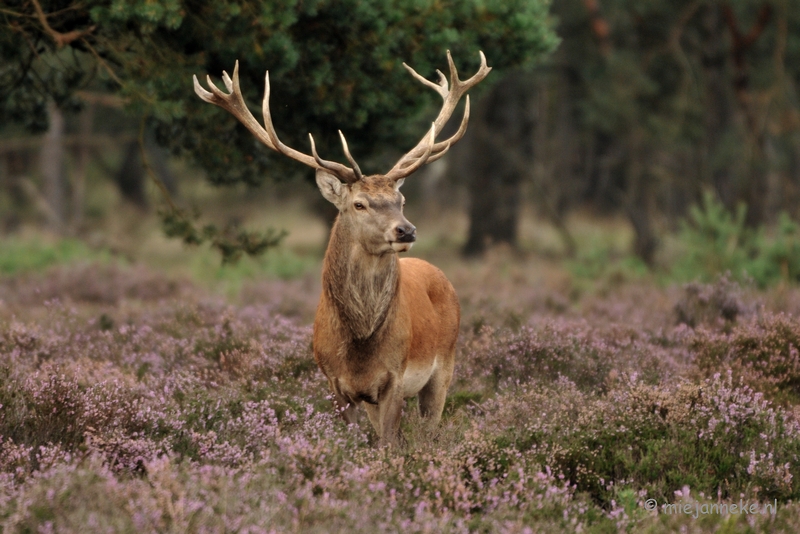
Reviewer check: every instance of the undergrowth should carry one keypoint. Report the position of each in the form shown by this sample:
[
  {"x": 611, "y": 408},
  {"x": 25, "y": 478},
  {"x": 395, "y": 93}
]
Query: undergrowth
[
  {"x": 715, "y": 241},
  {"x": 132, "y": 402}
]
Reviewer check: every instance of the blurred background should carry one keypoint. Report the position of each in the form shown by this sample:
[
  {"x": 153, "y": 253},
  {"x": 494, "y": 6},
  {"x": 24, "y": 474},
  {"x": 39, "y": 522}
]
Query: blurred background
[{"x": 613, "y": 140}]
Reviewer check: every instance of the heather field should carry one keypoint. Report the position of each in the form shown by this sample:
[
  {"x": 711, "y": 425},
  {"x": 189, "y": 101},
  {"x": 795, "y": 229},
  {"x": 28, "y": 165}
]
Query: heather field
[{"x": 133, "y": 400}]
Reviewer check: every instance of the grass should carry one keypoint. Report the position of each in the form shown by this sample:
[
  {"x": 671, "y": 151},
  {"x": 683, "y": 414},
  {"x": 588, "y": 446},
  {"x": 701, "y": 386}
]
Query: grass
[{"x": 21, "y": 255}]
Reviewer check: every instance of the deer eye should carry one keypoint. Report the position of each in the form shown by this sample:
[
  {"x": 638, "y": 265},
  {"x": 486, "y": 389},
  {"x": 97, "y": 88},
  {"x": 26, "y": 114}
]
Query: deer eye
[{"x": 359, "y": 206}]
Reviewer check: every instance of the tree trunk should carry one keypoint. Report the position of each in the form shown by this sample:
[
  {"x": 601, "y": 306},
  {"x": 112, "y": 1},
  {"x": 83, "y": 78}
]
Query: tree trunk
[
  {"x": 554, "y": 151},
  {"x": 12, "y": 167},
  {"x": 502, "y": 124},
  {"x": 51, "y": 160},
  {"x": 639, "y": 200},
  {"x": 718, "y": 108},
  {"x": 84, "y": 154},
  {"x": 158, "y": 158},
  {"x": 494, "y": 204},
  {"x": 793, "y": 198},
  {"x": 130, "y": 177},
  {"x": 742, "y": 41}
]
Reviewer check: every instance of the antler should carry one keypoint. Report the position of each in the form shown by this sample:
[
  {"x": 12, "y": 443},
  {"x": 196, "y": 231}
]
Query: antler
[
  {"x": 233, "y": 103},
  {"x": 427, "y": 150}
]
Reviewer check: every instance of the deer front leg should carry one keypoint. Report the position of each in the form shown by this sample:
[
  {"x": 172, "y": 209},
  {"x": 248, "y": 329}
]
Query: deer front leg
[
  {"x": 346, "y": 408},
  {"x": 374, "y": 414},
  {"x": 390, "y": 407}
]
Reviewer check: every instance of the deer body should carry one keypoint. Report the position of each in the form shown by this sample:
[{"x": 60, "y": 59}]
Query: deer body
[{"x": 385, "y": 327}]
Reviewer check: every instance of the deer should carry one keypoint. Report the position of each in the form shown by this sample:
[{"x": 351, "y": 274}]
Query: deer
[{"x": 386, "y": 328}]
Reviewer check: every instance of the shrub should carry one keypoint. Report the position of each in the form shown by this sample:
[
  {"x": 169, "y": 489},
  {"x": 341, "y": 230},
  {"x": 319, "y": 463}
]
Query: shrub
[
  {"x": 780, "y": 256},
  {"x": 190, "y": 414},
  {"x": 716, "y": 241},
  {"x": 762, "y": 351},
  {"x": 588, "y": 356},
  {"x": 716, "y": 437},
  {"x": 713, "y": 304},
  {"x": 95, "y": 283}
]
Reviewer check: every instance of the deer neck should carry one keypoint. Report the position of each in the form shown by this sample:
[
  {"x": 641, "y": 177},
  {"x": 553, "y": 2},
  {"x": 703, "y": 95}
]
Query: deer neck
[{"x": 361, "y": 286}]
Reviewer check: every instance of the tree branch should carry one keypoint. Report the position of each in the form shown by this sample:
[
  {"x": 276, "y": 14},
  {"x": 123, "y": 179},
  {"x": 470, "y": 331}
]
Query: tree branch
[
  {"x": 61, "y": 39},
  {"x": 740, "y": 43},
  {"x": 600, "y": 27}
]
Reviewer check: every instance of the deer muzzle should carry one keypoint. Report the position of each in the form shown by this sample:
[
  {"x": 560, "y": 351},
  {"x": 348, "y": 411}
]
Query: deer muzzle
[{"x": 405, "y": 233}]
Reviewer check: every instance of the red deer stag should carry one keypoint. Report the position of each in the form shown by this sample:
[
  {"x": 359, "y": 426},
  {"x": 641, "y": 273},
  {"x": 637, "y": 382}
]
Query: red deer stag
[{"x": 385, "y": 328}]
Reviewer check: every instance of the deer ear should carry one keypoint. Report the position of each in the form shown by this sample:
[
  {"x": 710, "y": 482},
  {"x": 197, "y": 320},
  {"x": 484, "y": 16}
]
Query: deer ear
[
  {"x": 398, "y": 184},
  {"x": 332, "y": 188}
]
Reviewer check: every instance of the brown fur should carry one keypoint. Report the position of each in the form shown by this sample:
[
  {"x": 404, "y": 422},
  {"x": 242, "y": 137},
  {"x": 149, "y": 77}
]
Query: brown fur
[
  {"x": 385, "y": 328},
  {"x": 361, "y": 286}
]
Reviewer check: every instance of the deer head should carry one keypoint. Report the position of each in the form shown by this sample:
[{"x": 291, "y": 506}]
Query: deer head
[{"x": 370, "y": 207}]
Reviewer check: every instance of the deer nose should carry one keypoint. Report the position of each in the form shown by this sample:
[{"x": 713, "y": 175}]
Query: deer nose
[{"x": 406, "y": 233}]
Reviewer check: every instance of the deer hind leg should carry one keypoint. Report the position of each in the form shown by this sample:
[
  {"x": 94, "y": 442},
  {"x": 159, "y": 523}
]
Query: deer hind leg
[{"x": 432, "y": 397}]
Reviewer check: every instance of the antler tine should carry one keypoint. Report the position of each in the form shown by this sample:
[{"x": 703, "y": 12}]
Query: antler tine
[
  {"x": 265, "y": 112},
  {"x": 321, "y": 162},
  {"x": 451, "y": 94},
  {"x": 353, "y": 176},
  {"x": 483, "y": 71},
  {"x": 440, "y": 88},
  {"x": 227, "y": 80},
  {"x": 233, "y": 102},
  {"x": 350, "y": 158},
  {"x": 453, "y": 71},
  {"x": 202, "y": 93},
  {"x": 443, "y": 81}
]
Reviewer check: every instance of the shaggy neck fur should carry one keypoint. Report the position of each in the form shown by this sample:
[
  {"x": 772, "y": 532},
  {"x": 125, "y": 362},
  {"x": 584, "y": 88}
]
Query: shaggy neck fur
[{"x": 361, "y": 286}]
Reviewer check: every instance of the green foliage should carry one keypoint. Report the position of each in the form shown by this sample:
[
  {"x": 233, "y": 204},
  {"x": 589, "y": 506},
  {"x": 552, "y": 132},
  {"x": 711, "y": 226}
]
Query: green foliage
[
  {"x": 780, "y": 254},
  {"x": 604, "y": 263},
  {"x": 231, "y": 242},
  {"x": 715, "y": 241},
  {"x": 333, "y": 64}
]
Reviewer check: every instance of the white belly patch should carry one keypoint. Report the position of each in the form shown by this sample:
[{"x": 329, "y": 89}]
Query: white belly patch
[{"x": 415, "y": 378}]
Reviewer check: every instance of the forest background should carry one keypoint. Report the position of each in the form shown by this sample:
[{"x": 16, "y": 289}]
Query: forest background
[{"x": 666, "y": 116}]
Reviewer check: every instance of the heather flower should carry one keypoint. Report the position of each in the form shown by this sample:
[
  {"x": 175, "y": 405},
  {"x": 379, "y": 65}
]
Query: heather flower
[{"x": 133, "y": 407}]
